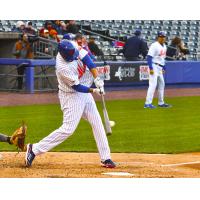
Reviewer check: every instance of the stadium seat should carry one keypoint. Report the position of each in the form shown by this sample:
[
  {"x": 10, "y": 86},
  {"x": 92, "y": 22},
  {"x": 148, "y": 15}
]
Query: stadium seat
[
  {"x": 193, "y": 23},
  {"x": 157, "y": 22},
  {"x": 119, "y": 22},
  {"x": 156, "y": 27},
  {"x": 138, "y": 22},
  {"x": 175, "y": 33},
  {"x": 113, "y": 51},
  {"x": 184, "y": 27},
  {"x": 193, "y": 33},
  {"x": 128, "y": 22},
  {"x": 184, "y": 23},
  {"x": 105, "y": 43},
  {"x": 175, "y": 22},
  {"x": 166, "y": 23},
  {"x": 177, "y": 28},
  {"x": 194, "y": 28},
  {"x": 187, "y": 30},
  {"x": 184, "y": 38},
  {"x": 148, "y": 22},
  {"x": 184, "y": 33},
  {"x": 147, "y": 27},
  {"x": 166, "y": 28}
]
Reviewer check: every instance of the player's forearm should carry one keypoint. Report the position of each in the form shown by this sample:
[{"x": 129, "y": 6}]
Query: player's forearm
[
  {"x": 82, "y": 88},
  {"x": 4, "y": 138},
  {"x": 94, "y": 72},
  {"x": 85, "y": 89}
]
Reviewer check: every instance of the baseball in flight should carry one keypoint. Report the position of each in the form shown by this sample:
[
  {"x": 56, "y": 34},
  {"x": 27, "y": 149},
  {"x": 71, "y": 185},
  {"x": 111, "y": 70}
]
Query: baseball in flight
[{"x": 112, "y": 123}]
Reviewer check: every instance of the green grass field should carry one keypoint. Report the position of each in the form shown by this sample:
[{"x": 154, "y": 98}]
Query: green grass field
[{"x": 161, "y": 130}]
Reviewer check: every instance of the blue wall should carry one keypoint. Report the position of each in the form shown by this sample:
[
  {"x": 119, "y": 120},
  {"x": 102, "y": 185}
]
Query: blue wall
[
  {"x": 183, "y": 72},
  {"x": 176, "y": 71}
]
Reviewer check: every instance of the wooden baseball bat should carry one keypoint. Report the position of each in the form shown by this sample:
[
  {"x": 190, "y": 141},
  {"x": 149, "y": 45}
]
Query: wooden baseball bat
[{"x": 106, "y": 118}]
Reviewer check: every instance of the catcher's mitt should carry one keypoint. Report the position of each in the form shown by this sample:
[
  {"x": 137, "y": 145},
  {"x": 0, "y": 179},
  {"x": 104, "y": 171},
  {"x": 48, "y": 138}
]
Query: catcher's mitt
[{"x": 18, "y": 137}]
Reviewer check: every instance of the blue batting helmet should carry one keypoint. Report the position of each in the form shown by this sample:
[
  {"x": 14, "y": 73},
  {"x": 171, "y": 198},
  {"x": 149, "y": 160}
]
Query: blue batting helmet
[
  {"x": 69, "y": 36},
  {"x": 67, "y": 50}
]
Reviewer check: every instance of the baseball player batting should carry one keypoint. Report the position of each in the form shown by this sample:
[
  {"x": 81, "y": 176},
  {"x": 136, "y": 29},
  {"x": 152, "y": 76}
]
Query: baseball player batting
[
  {"x": 156, "y": 61},
  {"x": 76, "y": 101}
]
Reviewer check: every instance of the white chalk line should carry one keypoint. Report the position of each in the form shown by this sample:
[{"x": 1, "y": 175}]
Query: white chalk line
[
  {"x": 118, "y": 173},
  {"x": 179, "y": 164}
]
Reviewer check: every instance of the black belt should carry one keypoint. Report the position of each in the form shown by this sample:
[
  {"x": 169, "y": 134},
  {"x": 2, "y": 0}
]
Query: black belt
[{"x": 159, "y": 64}]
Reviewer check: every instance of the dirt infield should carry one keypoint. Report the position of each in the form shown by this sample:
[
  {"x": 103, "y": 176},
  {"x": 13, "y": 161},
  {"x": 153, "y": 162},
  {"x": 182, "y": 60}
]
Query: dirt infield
[
  {"x": 86, "y": 165},
  {"x": 12, "y": 99},
  {"x": 64, "y": 165}
]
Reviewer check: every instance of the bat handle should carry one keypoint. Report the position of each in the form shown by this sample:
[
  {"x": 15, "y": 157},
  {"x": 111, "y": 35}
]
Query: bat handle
[{"x": 103, "y": 100}]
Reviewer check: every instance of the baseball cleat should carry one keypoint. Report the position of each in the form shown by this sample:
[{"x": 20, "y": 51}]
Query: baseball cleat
[
  {"x": 165, "y": 105},
  {"x": 149, "y": 106},
  {"x": 29, "y": 155},
  {"x": 108, "y": 163}
]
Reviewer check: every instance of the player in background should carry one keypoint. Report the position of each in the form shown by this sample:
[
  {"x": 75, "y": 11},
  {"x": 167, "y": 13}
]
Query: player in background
[
  {"x": 76, "y": 101},
  {"x": 156, "y": 61}
]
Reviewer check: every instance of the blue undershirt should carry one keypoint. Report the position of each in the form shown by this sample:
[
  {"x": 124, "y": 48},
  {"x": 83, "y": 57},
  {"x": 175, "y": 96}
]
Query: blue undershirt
[
  {"x": 149, "y": 62},
  {"x": 88, "y": 61},
  {"x": 81, "y": 88}
]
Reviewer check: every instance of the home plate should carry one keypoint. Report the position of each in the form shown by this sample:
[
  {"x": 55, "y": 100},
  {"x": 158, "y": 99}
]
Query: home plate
[{"x": 118, "y": 174}]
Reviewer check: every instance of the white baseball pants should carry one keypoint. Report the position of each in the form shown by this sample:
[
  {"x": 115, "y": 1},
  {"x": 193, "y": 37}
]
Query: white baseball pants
[
  {"x": 75, "y": 106},
  {"x": 155, "y": 80}
]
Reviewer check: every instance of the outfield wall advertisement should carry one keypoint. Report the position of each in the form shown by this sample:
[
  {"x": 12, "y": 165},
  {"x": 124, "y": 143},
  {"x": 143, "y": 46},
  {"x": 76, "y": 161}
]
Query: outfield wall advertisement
[
  {"x": 127, "y": 73},
  {"x": 124, "y": 72}
]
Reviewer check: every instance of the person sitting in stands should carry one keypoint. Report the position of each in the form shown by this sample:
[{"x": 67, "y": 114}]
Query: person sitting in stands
[
  {"x": 94, "y": 47},
  {"x": 176, "y": 50},
  {"x": 20, "y": 27},
  {"x": 29, "y": 28},
  {"x": 22, "y": 50},
  {"x": 72, "y": 27}
]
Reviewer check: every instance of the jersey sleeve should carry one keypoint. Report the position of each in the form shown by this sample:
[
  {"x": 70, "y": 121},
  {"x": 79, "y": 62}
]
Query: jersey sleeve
[{"x": 152, "y": 50}]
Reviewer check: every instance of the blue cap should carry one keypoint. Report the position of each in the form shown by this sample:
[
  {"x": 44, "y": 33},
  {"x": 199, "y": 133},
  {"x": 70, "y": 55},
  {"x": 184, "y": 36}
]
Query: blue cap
[
  {"x": 161, "y": 34},
  {"x": 137, "y": 32}
]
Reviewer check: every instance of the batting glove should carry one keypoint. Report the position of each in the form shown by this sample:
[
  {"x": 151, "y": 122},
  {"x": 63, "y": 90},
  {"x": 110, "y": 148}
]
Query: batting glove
[
  {"x": 102, "y": 90},
  {"x": 98, "y": 91},
  {"x": 151, "y": 72},
  {"x": 98, "y": 82}
]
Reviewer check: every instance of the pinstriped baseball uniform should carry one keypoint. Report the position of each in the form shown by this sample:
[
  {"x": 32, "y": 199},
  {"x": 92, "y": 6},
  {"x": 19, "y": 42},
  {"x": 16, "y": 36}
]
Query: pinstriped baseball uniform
[{"x": 74, "y": 106}]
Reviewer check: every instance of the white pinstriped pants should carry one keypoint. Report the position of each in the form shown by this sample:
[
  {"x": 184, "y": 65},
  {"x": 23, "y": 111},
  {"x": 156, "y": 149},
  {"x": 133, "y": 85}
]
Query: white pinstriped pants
[
  {"x": 75, "y": 106},
  {"x": 155, "y": 80}
]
